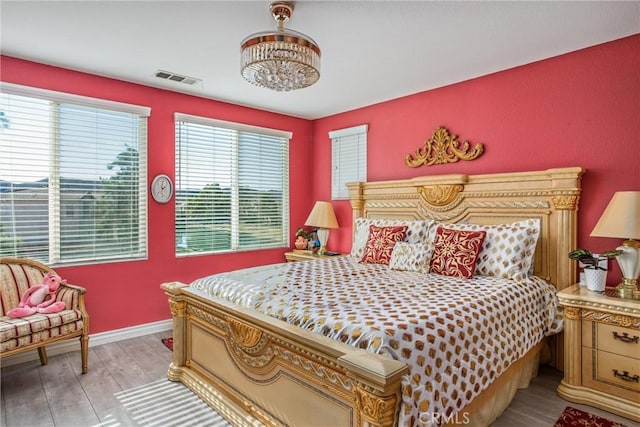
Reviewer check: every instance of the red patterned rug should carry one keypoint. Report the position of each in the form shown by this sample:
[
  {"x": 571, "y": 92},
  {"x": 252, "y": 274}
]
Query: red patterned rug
[
  {"x": 168, "y": 342},
  {"x": 572, "y": 417}
]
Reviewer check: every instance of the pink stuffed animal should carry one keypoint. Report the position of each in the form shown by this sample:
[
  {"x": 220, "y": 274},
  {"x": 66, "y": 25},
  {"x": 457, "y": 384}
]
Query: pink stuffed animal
[{"x": 35, "y": 299}]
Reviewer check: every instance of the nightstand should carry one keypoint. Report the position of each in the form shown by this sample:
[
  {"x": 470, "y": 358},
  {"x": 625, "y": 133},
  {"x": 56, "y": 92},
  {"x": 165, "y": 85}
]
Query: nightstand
[
  {"x": 306, "y": 256},
  {"x": 601, "y": 351}
]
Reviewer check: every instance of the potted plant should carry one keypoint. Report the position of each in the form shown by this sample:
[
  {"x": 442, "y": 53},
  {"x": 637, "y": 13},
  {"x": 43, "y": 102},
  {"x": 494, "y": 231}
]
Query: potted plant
[{"x": 595, "y": 275}]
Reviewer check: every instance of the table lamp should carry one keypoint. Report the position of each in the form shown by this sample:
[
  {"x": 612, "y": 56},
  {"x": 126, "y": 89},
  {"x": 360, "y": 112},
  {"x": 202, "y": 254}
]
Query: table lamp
[
  {"x": 322, "y": 217},
  {"x": 621, "y": 219}
]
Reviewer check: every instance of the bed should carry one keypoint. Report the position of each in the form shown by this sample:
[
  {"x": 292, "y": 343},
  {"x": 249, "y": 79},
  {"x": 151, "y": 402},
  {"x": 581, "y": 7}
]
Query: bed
[{"x": 253, "y": 351}]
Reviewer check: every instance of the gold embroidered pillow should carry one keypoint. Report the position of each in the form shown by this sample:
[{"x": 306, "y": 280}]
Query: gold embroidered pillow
[
  {"x": 455, "y": 252},
  {"x": 508, "y": 249},
  {"x": 381, "y": 242},
  {"x": 411, "y": 256},
  {"x": 417, "y": 231}
]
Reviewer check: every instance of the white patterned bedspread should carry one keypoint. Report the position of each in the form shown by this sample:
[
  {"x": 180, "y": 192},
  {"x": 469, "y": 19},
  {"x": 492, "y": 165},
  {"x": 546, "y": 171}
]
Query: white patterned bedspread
[{"x": 456, "y": 335}]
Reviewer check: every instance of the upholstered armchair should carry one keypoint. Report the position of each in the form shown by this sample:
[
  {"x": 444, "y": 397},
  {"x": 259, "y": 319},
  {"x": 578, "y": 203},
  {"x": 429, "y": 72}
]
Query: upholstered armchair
[{"x": 38, "y": 330}]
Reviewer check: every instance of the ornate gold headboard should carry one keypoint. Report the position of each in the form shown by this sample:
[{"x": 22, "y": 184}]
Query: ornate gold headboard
[{"x": 551, "y": 196}]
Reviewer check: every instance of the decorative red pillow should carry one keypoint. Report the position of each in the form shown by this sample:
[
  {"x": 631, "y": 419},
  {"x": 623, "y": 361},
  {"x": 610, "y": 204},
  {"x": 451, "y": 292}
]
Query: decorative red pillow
[
  {"x": 456, "y": 252},
  {"x": 381, "y": 242}
]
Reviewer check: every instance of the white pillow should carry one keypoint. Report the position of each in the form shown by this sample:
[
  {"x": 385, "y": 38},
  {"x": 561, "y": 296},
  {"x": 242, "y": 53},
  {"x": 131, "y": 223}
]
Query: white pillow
[
  {"x": 508, "y": 249},
  {"x": 417, "y": 231},
  {"x": 411, "y": 256}
]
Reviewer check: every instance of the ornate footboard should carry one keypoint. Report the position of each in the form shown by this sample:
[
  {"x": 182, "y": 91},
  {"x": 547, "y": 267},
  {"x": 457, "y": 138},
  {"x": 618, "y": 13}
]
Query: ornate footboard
[{"x": 253, "y": 368}]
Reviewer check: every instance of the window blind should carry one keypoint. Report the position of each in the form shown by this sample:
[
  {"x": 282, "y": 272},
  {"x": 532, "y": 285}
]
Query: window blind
[
  {"x": 232, "y": 186},
  {"x": 72, "y": 177},
  {"x": 348, "y": 159}
]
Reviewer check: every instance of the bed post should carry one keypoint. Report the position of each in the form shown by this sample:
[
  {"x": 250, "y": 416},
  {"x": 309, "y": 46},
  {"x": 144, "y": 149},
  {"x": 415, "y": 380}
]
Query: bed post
[
  {"x": 377, "y": 390},
  {"x": 356, "y": 198},
  {"x": 177, "y": 306},
  {"x": 566, "y": 186}
]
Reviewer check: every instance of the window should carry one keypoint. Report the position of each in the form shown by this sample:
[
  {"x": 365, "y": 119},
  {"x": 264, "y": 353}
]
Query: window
[
  {"x": 348, "y": 159},
  {"x": 232, "y": 186},
  {"x": 72, "y": 177}
]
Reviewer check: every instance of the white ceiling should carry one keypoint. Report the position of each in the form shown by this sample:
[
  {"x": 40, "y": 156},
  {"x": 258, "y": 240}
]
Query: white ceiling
[{"x": 372, "y": 51}]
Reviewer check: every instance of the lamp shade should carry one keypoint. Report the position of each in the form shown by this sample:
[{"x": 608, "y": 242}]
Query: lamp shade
[
  {"x": 322, "y": 216},
  {"x": 621, "y": 218}
]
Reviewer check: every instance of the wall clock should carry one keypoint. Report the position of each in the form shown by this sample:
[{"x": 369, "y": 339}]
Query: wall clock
[{"x": 161, "y": 188}]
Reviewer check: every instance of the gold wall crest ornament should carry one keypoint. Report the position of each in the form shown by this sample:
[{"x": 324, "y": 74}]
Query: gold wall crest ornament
[{"x": 442, "y": 148}]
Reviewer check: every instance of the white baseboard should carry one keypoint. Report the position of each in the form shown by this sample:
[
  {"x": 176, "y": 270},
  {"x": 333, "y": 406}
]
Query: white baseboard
[{"x": 94, "y": 340}]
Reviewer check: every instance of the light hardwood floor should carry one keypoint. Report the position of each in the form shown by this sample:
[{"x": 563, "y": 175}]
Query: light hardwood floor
[{"x": 126, "y": 385}]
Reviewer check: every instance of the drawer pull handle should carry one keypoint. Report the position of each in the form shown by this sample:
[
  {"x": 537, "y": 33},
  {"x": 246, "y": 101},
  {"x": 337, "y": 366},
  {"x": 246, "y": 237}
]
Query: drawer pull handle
[
  {"x": 625, "y": 376},
  {"x": 626, "y": 338}
]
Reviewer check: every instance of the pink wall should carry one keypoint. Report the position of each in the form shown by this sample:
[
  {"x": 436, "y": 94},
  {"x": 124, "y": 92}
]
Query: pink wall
[
  {"x": 579, "y": 109},
  {"x": 128, "y": 293}
]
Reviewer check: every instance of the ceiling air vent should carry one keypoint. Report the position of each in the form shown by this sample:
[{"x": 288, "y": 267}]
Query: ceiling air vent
[{"x": 166, "y": 75}]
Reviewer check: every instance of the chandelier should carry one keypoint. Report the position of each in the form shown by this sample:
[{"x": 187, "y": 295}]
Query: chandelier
[{"x": 281, "y": 60}]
